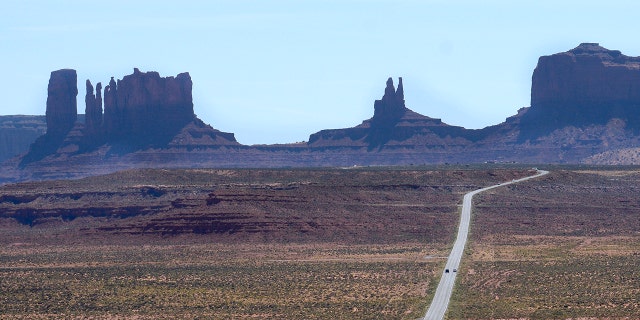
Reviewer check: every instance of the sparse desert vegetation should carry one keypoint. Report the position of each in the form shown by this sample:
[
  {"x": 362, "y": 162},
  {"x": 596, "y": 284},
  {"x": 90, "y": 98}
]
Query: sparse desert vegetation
[
  {"x": 320, "y": 244},
  {"x": 214, "y": 281},
  {"x": 285, "y": 244},
  {"x": 563, "y": 246}
]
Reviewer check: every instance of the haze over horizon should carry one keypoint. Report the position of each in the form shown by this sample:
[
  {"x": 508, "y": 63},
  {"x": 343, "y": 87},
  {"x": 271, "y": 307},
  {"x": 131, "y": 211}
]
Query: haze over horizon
[{"x": 277, "y": 71}]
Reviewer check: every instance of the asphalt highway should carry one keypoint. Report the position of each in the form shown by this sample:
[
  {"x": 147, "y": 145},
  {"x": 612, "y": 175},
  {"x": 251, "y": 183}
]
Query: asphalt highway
[{"x": 440, "y": 301}]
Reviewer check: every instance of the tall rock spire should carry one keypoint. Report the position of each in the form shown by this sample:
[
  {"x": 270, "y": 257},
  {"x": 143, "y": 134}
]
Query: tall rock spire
[
  {"x": 400, "y": 91},
  {"x": 62, "y": 108},
  {"x": 99, "y": 104},
  {"x": 111, "y": 114},
  {"x": 389, "y": 90},
  {"x": 61, "y": 114},
  {"x": 93, "y": 109},
  {"x": 391, "y": 107}
]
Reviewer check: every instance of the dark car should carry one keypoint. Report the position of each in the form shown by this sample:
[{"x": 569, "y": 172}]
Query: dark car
[{"x": 446, "y": 270}]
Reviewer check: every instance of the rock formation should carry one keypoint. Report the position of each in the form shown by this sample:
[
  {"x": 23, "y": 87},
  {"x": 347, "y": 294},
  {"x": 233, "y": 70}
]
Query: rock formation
[
  {"x": 392, "y": 125},
  {"x": 112, "y": 113},
  {"x": 584, "y": 102},
  {"x": 61, "y": 114},
  {"x": 62, "y": 110},
  {"x": 144, "y": 108},
  {"x": 586, "y": 85},
  {"x": 93, "y": 110},
  {"x": 389, "y": 109}
]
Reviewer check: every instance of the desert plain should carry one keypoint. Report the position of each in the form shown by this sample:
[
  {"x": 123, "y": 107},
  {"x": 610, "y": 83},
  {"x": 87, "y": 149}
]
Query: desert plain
[{"x": 343, "y": 243}]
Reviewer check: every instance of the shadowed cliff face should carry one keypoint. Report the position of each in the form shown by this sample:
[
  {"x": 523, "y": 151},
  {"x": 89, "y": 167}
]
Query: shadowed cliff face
[
  {"x": 61, "y": 114},
  {"x": 93, "y": 110},
  {"x": 62, "y": 108},
  {"x": 146, "y": 109},
  {"x": 583, "y": 102},
  {"x": 394, "y": 125},
  {"x": 387, "y": 113},
  {"x": 584, "y": 86},
  {"x": 143, "y": 110},
  {"x": 389, "y": 109}
]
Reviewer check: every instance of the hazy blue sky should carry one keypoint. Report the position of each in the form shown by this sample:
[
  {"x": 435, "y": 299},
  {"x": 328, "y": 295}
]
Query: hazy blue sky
[{"x": 276, "y": 71}]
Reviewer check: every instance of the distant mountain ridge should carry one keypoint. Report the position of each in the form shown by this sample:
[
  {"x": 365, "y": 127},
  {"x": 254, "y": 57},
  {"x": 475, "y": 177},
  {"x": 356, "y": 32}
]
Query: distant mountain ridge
[
  {"x": 585, "y": 107},
  {"x": 18, "y": 132}
]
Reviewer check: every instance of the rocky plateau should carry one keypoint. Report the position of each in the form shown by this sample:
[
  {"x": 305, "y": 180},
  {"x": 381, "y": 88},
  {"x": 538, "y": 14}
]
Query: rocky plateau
[{"x": 584, "y": 109}]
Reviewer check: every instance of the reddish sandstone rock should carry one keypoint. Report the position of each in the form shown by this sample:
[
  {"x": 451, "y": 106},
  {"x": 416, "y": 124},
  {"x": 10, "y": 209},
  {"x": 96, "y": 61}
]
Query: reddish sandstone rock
[
  {"x": 93, "y": 110},
  {"x": 583, "y": 86},
  {"x": 62, "y": 110},
  {"x": 587, "y": 74},
  {"x": 390, "y": 108},
  {"x": 112, "y": 114},
  {"x": 141, "y": 111},
  {"x": 393, "y": 125},
  {"x": 146, "y": 109},
  {"x": 61, "y": 115}
]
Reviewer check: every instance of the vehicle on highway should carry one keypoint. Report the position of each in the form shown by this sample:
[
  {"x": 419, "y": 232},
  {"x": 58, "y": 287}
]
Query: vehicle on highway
[{"x": 446, "y": 270}]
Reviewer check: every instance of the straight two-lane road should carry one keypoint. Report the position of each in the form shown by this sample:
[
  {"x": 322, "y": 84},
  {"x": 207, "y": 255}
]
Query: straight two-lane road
[{"x": 440, "y": 301}]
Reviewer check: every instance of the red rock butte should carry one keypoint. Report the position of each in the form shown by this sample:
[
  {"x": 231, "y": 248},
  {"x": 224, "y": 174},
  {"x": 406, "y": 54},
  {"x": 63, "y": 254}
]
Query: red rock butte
[{"x": 584, "y": 106}]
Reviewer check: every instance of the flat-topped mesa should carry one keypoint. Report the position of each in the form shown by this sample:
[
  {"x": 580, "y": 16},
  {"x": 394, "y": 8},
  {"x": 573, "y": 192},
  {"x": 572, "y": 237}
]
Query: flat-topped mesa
[
  {"x": 391, "y": 107},
  {"x": 586, "y": 85},
  {"x": 587, "y": 74},
  {"x": 62, "y": 108},
  {"x": 146, "y": 107}
]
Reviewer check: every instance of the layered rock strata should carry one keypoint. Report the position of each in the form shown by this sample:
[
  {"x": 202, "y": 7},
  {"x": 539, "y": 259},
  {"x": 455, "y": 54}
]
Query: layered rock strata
[
  {"x": 393, "y": 125},
  {"x": 584, "y": 102},
  {"x": 583, "y": 86},
  {"x": 144, "y": 108}
]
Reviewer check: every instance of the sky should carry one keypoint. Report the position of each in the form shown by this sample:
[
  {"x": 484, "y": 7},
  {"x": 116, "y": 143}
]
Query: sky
[{"x": 277, "y": 71}]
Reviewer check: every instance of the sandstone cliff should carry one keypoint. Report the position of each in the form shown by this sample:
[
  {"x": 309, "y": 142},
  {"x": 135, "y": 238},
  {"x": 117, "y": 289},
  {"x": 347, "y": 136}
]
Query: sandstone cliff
[
  {"x": 583, "y": 86},
  {"x": 62, "y": 109},
  {"x": 584, "y": 102},
  {"x": 61, "y": 114},
  {"x": 393, "y": 125},
  {"x": 93, "y": 110},
  {"x": 143, "y": 110},
  {"x": 146, "y": 109}
]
